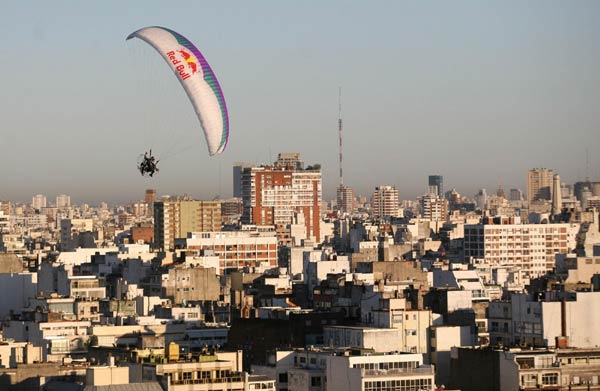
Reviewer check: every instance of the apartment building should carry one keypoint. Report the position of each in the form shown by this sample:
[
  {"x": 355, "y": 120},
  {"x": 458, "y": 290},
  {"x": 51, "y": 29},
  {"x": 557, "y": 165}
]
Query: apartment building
[
  {"x": 175, "y": 219},
  {"x": 235, "y": 249},
  {"x": 532, "y": 247},
  {"x": 273, "y": 194},
  {"x": 385, "y": 202}
]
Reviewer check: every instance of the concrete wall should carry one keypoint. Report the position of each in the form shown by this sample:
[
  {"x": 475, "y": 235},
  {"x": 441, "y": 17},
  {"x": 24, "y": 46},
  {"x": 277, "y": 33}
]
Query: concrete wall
[
  {"x": 474, "y": 370},
  {"x": 509, "y": 372},
  {"x": 586, "y": 268},
  {"x": 301, "y": 380},
  {"x": 340, "y": 377},
  {"x": 380, "y": 340},
  {"x": 193, "y": 284},
  {"x": 447, "y": 337},
  {"x": 551, "y": 315},
  {"x": 10, "y": 263},
  {"x": 583, "y": 318},
  {"x": 15, "y": 291},
  {"x": 15, "y": 353},
  {"x": 106, "y": 376}
]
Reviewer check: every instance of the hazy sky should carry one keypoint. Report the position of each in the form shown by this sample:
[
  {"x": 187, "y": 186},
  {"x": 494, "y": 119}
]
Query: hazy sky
[{"x": 476, "y": 91}]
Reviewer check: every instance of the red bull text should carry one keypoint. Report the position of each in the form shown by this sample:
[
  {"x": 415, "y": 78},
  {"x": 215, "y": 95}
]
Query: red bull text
[{"x": 180, "y": 66}]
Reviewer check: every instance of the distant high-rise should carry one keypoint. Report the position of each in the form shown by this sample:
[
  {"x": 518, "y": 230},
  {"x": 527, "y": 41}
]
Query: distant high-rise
[
  {"x": 433, "y": 208},
  {"x": 385, "y": 202},
  {"x": 556, "y": 196},
  {"x": 580, "y": 187},
  {"x": 516, "y": 195},
  {"x": 566, "y": 191},
  {"x": 436, "y": 185},
  {"x": 500, "y": 192},
  {"x": 174, "y": 219},
  {"x": 481, "y": 199},
  {"x": 238, "y": 168},
  {"x": 272, "y": 194},
  {"x": 150, "y": 196},
  {"x": 63, "y": 201},
  {"x": 345, "y": 199},
  {"x": 539, "y": 184},
  {"x": 39, "y": 201}
]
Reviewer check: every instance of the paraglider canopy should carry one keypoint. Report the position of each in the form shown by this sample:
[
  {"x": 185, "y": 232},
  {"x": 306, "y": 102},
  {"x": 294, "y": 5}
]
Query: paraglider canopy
[{"x": 198, "y": 80}]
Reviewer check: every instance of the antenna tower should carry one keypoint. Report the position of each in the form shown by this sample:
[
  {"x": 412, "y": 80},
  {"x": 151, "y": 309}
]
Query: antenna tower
[{"x": 340, "y": 133}]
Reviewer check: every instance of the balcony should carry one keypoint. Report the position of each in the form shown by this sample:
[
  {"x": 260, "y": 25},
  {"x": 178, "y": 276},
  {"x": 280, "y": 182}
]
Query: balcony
[
  {"x": 423, "y": 371},
  {"x": 231, "y": 379}
]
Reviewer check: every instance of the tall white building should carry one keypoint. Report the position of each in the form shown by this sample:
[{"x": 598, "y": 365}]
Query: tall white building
[
  {"x": 345, "y": 199},
  {"x": 556, "y": 195},
  {"x": 63, "y": 201},
  {"x": 529, "y": 246},
  {"x": 481, "y": 199},
  {"x": 539, "y": 184},
  {"x": 38, "y": 201},
  {"x": 385, "y": 202},
  {"x": 433, "y": 208}
]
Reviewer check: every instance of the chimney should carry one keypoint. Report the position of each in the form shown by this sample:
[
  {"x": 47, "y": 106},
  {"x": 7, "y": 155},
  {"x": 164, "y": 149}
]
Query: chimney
[{"x": 562, "y": 342}]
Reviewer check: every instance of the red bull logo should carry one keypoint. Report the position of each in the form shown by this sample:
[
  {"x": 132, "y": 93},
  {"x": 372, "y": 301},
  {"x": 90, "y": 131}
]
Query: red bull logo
[
  {"x": 185, "y": 70},
  {"x": 189, "y": 59}
]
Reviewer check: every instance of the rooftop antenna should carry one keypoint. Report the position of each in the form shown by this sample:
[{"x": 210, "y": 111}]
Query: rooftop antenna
[{"x": 340, "y": 133}]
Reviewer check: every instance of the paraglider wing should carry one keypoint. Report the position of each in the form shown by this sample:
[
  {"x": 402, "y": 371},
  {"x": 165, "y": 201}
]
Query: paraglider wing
[{"x": 198, "y": 80}]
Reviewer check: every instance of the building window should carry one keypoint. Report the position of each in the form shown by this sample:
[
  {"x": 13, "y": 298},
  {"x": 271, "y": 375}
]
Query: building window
[
  {"x": 550, "y": 378},
  {"x": 529, "y": 380},
  {"x": 283, "y": 377},
  {"x": 315, "y": 381},
  {"x": 526, "y": 363}
]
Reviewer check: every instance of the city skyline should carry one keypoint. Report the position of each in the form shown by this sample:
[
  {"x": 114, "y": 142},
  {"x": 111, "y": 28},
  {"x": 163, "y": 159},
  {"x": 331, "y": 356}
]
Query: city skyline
[
  {"x": 188, "y": 202},
  {"x": 402, "y": 195},
  {"x": 477, "y": 93}
]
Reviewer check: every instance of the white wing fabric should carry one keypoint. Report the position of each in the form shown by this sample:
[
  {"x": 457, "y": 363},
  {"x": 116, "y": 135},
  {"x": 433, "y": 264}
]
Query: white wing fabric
[{"x": 198, "y": 80}]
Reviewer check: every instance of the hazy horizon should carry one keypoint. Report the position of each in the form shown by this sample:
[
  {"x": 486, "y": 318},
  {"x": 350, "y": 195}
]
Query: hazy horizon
[{"x": 477, "y": 92}]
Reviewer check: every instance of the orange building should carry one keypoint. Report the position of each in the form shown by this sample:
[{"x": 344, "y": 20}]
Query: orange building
[
  {"x": 142, "y": 233},
  {"x": 272, "y": 194}
]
